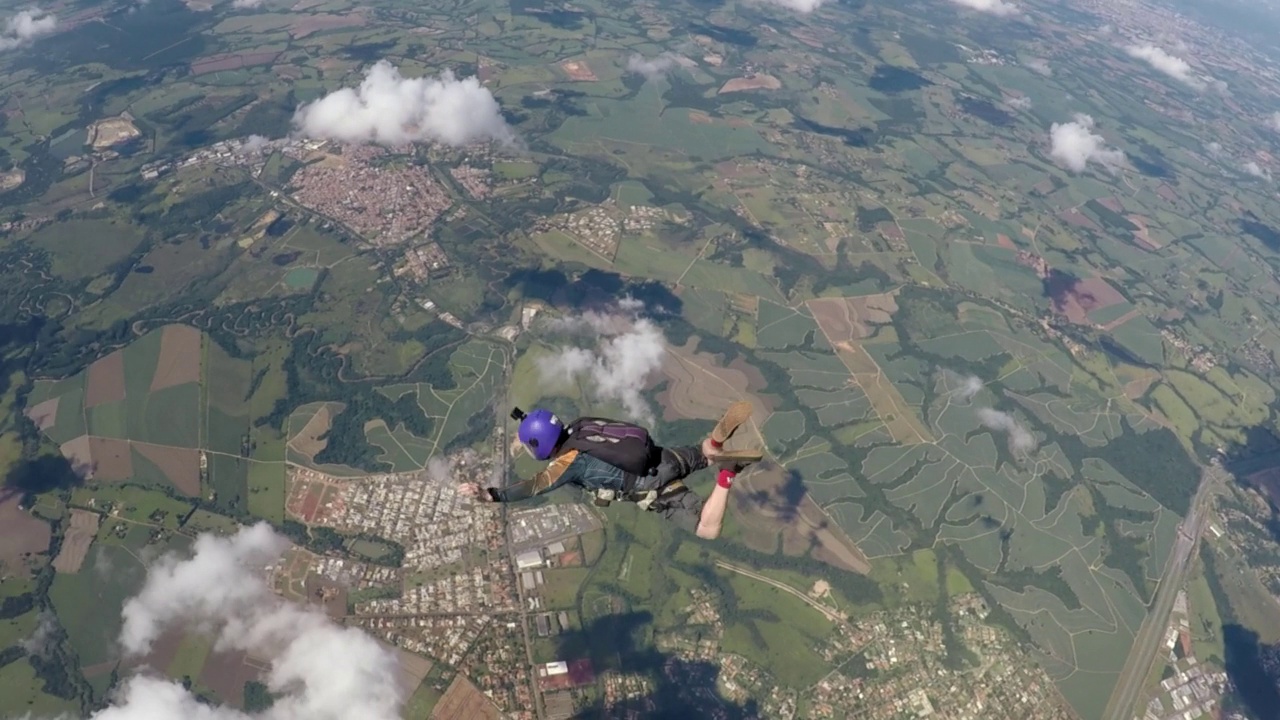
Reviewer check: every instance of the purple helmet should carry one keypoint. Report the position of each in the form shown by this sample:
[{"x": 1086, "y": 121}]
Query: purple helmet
[{"x": 540, "y": 431}]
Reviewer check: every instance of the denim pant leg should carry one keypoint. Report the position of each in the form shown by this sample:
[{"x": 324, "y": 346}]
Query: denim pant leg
[{"x": 677, "y": 463}]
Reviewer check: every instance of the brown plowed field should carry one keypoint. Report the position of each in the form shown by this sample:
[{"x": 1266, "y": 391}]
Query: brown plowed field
[
  {"x": 20, "y": 534},
  {"x": 307, "y": 442},
  {"x": 412, "y": 668},
  {"x": 106, "y": 380},
  {"x": 766, "y": 509},
  {"x": 701, "y": 388},
  {"x": 75, "y": 545},
  {"x": 1085, "y": 296},
  {"x": 226, "y": 672},
  {"x": 179, "y": 357},
  {"x": 77, "y": 451},
  {"x": 464, "y": 701},
  {"x": 759, "y": 82},
  {"x": 45, "y": 414},
  {"x": 180, "y": 465},
  {"x": 853, "y": 318},
  {"x": 578, "y": 70},
  {"x": 112, "y": 459}
]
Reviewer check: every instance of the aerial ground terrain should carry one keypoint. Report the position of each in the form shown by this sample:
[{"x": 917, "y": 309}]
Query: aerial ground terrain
[{"x": 1000, "y": 279}]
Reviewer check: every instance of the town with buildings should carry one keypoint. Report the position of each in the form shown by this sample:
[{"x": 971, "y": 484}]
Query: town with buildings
[
  {"x": 471, "y": 595},
  {"x": 1188, "y": 690},
  {"x": 893, "y": 664}
]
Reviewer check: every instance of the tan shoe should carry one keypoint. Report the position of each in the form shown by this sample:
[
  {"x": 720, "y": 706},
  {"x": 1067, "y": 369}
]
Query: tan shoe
[{"x": 737, "y": 414}]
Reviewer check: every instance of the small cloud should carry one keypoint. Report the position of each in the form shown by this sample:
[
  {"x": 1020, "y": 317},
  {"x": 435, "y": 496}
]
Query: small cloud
[
  {"x": 439, "y": 470},
  {"x": 1256, "y": 170},
  {"x": 1020, "y": 438},
  {"x": 1074, "y": 145},
  {"x": 993, "y": 7},
  {"x": 629, "y": 350},
  {"x": 254, "y": 143},
  {"x": 655, "y": 68},
  {"x": 1020, "y": 103},
  {"x": 44, "y": 636},
  {"x": 246, "y": 4},
  {"x": 1214, "y": 148},
  {"x": 390, "y": 109},
  {"x": 25, "y": 27},
  {"x": 1274, "y": 121},
  {"x": 1174, "y": 67},
  {"x": 1039, "y": 66},
  {"x": 803, "y": 7},
  {"x": 960, "y": 386}
]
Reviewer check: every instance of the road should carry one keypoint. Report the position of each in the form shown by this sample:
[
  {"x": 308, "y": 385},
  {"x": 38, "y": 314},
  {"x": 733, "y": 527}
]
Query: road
[
  {"x": 501, "y": 413},
  {"x": 1146, "y": 644},
  {"x": 830, "y": 614}
]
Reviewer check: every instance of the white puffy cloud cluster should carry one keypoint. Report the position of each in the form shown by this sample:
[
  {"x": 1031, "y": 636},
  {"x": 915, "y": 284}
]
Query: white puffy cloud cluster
[
  {"x": 999, "y": 8},
  {"x": 1274, "y": 121},
  {"x": 629, "y": 350},
  {"x": 318, "y": 669},
  {"x": 246, "y": 4},
  {"x": 960, "y": 386},
  {"x": 1022, "y": 102},
  {"x": 651, "y": 68},
  {"x": 1256, "y": 170},
  {"x": 803, "y": 7},
  {"x": 1073, "y": 145},
  {"x": 1040, "y": 66},
  {"x": 967, "y": 387},
  {"x": 41, "y": 639},
  {"x": 1020, "y": 438},
  {"x": 26, "y": 26},
  {"x": 1171, "y": 65},
  {"x": 390, "y": 109}
]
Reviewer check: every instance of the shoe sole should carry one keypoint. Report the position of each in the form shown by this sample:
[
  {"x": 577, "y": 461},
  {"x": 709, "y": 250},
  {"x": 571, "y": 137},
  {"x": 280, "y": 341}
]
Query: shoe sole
[
  {"x": 737, "y": 414},
  {"x": 747, "y": 455}
]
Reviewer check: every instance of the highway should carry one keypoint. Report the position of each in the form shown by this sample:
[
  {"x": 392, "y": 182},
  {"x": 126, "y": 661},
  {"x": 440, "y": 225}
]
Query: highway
[{"x": 1146, "y": 644}]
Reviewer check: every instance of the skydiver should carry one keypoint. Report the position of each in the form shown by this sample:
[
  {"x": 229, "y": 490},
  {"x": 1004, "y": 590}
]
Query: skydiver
[{"x": 618, "y": 460}]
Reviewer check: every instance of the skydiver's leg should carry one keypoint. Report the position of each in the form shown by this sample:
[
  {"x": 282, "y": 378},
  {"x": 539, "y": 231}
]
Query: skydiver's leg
[
  {"x": 684, "y": 509},
  {"x": 676, "y": 463}
]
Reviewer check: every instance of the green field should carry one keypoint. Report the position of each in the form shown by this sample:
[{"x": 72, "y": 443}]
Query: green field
[{"x": 83, "y": 248}]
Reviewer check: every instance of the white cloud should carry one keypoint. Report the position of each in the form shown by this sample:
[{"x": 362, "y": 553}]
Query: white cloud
[
  {"x": 318, "y": 670},
  {"x": 801, "y": 6},
  {"x": 1274, "y": 121},
  {"x": 1173, "y": 66},
  {"x": 993, "y": 7},
  {"x": 246, "y": 4},
  {"x": 42, "y": 638},
  {"x": 1214, "y": 148},
  {"x": 629, "y": 351},
  {"x": 1074, "y": 145},
  {"x": 26, "y": 26},
  {"x": 1256, "y": 170},
  {"x": 962, "y": 386},
  {"x": 1020, "y": 103},
  {"x": 390, "y": 109},
  {"x": 1039, "y": 66},
  {"x": 1020, "y": 439},
  {"x": 651, "y": 69}
]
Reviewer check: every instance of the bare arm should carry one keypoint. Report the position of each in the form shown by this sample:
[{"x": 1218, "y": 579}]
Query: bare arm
[{"x": 553, "y": 477}]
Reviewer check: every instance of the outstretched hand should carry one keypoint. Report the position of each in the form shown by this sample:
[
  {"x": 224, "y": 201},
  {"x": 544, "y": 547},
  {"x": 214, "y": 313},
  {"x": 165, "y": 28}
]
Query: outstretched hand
[{"x": 710, "y": 451}]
